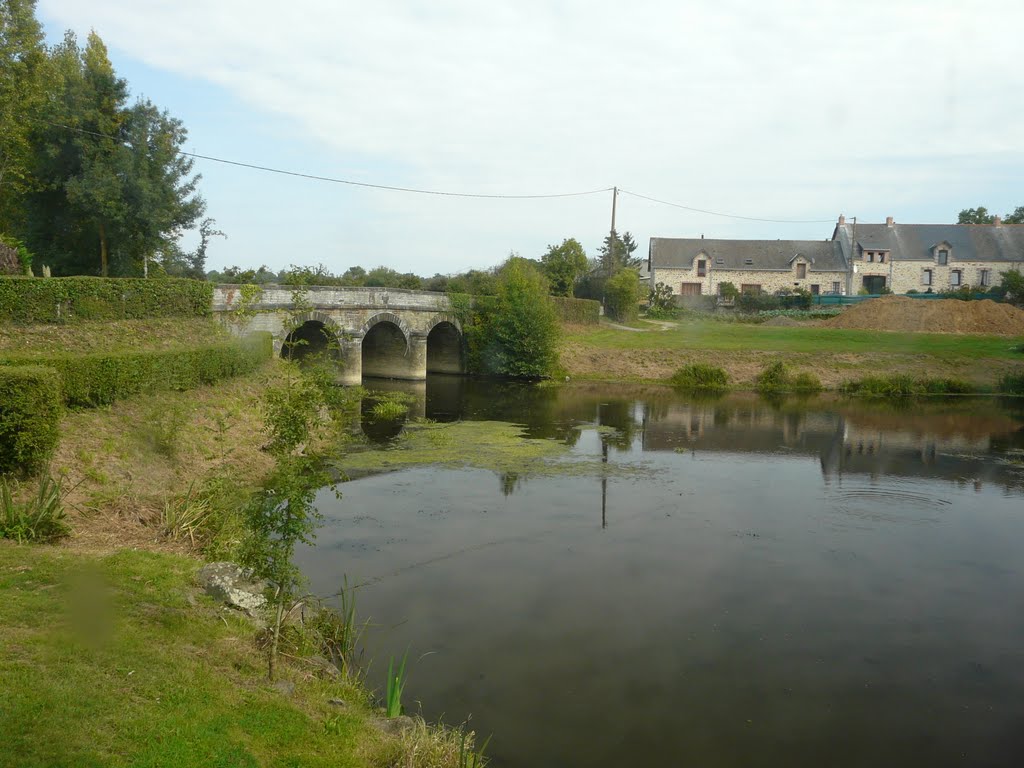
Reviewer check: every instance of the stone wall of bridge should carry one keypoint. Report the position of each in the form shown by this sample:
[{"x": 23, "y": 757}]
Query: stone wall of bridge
[{"x": 373, "y": 332}]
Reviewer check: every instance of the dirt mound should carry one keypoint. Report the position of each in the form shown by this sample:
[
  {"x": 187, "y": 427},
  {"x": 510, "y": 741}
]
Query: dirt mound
[{"x": 900, "y": 313}]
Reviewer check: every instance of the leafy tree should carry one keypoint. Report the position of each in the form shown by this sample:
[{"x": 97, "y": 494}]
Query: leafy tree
[
  {"x": 564, "y": 264},
  {"x": 616, "y": 253},
  {"x": 25, "y": 73},
  {"x": 354, "y": 276},
  {"x": 113, "y": 188},
  {"x": 622, "y": 295},
  {"x": 980, "y": 215},
  {"x": 385, "y": 277},
  {"x": 519, "y": 337},
  {"x": 1011, "y": 286},
  {"x": 475, "y": 282}
]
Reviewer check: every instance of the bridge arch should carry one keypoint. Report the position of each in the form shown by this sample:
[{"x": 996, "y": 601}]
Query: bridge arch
[
  {"x": 445, "y": 348},
  {"x": 312, "y": 333},
  {"x": 387, "y": 348}
]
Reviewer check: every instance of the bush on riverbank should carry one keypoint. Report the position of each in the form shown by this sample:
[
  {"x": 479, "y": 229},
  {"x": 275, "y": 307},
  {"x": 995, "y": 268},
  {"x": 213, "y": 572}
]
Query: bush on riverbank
[
  {"x": 1012, "y": 384},
  {"x": 899, "y": 385},
  {"x": 101, "y": 378},
  {"x": 776, "y": 377},
  {"x": 700, "y": 376},
  {"x": 24, "y": 301},
  {"x": 31, "y": 408},
  {"x": 514, "y": 333}
]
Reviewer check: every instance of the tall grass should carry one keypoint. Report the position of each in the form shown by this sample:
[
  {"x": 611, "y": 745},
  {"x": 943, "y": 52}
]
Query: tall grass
[
  {"x": 901, "y": 385},
  {"x": 395, "y": 686},
  {"x": 1012, "y": 384},
  {"x": 340, "y": 634},
  {"x": 39, "y": 519}
]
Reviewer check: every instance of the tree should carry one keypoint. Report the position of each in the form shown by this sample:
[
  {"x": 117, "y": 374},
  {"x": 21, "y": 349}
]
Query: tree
[
  {"x": 1011, "y": 285},
  {"x": 25, "y": 77},
  {"x": 113, "y": 188},
  {"x": 519, "y": 337},
  {"x": 564, "y": 265},
  {"x": 616, "y": 253},
  {"x": 980, "y": 215},
  {"x": 622, "y": 295}
]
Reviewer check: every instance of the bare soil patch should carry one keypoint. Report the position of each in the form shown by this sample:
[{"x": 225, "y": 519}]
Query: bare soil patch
[{"x": 899, "y": 313}]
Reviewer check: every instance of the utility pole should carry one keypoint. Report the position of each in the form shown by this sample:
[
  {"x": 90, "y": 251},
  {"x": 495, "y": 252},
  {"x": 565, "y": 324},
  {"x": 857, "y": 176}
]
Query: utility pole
[{"x": 615, "y": 197}]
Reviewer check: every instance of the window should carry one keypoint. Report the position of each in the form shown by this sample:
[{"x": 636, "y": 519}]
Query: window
[
  {"x": 943, "y": 257},
  {"x": 801, "y": 271},
  {"x": 815, "y": 289},
  {"x": 835, "y": 287},
  {"x": 881, "y": 258},
  {"x": 954, "y": 277},
  {"x": 985, "y": 277},
  {"x": 753, "y": 289},
  {"x": 720, "y": 262},
  {"x": 871, "y": 255},
  {"x": 926, "y": 277},
  {"x": 702, "y": 268}
]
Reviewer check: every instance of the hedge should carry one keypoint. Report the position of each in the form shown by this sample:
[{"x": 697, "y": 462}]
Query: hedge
[
  {"x": 101, "y": 378},
  {"x": 581, "y": 311},
  {"x": 26, "y": 300},
  {"x": 31, "y": 408}
]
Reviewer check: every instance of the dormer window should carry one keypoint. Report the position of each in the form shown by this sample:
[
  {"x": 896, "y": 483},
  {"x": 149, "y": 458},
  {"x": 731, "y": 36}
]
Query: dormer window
[
  {"x": 943, "y": 256},
  {"x": 881, "y": 257},
  {"x": 801, "y": 271}
]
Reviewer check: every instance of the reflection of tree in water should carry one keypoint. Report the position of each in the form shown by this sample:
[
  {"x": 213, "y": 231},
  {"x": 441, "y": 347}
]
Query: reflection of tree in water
[{"x": 510, "y": 481}]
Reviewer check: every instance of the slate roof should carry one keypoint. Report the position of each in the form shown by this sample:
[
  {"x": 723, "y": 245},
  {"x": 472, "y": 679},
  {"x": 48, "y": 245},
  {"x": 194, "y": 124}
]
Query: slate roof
[
  {"x": 679, "y": 253},
  {"x": 968, "y": 242}
]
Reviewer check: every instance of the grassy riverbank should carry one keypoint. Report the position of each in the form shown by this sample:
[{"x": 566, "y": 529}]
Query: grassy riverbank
[
  {"x": 834, "y": 355},
  {"x": 111, "y": 655},
  {"x": 120, "y": 661}
]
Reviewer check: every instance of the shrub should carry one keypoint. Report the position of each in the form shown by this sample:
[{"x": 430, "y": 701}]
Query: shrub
[
  {"x": 31, "y": 408},
  {"x": 1012, "y": 384},
  {"x": 700, "y": 376},
  {"x": 39, "y": 519},
  {"x": 103, "y": 377},
  {"x": 728, "y": 291},
  {"x": 805, "y": 382},
  {"x": 622, "y": 295},
  {"x": 62, "y": 299},
  {"x": 579, "y": 311},
  {"x": 660, "y": 302},
  {"x": 901, "y": 385},
  {"x": 774, "y": 377}
]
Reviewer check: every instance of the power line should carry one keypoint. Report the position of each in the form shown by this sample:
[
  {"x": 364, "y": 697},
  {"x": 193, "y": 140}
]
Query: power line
[
  {"x": 333, "y": 180},
  {"x": 724, "y": 215}
]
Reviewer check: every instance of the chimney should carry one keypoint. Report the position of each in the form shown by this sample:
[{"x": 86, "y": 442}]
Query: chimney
[
  {"x": 888, "y": 221},
  {"x": 842, "y": 219},
  {"x": 998, "y": 220}
]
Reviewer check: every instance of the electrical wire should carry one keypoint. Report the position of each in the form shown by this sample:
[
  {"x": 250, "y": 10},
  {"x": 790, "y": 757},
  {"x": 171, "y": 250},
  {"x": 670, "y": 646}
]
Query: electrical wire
[
  {"x": 349, "y": 182},
  {"x": 725, "y": 215}
]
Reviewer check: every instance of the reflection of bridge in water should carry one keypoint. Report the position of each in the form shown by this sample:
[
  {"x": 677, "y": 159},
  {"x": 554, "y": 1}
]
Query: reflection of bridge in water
[{"x": 377, "y": 332}]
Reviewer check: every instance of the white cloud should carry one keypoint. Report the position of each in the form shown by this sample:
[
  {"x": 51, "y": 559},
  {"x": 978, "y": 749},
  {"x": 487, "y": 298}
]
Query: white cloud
[{"x": 774, "y": 109}]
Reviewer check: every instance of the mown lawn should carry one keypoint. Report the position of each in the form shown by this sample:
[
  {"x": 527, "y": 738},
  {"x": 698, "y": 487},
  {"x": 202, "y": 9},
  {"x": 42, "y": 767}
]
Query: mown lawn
[
  {"x": 115, "y": 662},
  {"x": 712, "y": 335}
]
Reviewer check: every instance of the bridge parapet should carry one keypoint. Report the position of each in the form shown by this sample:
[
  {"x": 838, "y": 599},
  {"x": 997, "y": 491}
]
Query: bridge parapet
[{"x": 227, "y": 297}]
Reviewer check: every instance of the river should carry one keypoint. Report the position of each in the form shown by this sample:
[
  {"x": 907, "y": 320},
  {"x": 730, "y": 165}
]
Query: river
[{"x": 723, "y": 582}]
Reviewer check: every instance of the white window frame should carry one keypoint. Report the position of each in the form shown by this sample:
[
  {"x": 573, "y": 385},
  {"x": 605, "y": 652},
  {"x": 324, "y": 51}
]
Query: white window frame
[
  {"x": 927, "y": 276},
  {"x": 985, "y": 277},
  {"x": 956, "y": 278}
]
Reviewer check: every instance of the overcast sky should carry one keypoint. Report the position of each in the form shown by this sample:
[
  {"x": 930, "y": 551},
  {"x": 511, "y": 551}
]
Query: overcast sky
[{"x": 774, "y": 110}]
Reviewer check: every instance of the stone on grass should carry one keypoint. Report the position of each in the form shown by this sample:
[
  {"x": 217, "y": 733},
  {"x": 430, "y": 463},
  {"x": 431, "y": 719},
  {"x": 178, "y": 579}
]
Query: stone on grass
[{"x": 235, "y": 586}]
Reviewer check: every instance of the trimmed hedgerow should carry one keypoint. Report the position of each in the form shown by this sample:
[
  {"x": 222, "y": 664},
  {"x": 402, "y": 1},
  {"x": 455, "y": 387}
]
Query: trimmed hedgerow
[
  {"x": 27, "y": 301},
  {"x": 580, "y": 311},
  {"x": 101, "y": 378},
  {"x": 31, "y": 407}
]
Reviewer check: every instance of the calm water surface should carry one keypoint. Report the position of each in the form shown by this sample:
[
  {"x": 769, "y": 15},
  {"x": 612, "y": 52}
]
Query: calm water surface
[{"x": 819, "y": 583}]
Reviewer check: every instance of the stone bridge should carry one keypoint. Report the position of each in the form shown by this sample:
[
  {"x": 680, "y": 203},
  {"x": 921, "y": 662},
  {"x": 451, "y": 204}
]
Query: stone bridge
[{"x": 378, "y": 332}]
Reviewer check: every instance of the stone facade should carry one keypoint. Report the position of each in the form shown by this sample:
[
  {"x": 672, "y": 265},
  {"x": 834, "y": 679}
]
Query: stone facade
[{"x": 769, "y": 280}]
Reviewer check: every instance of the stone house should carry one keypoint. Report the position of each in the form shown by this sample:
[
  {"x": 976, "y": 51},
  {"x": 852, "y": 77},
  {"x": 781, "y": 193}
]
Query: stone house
[
  {"x": 929, "y": 257},
  {"x": 696, "y": 266},
  {"x": 871, "y": 257}
]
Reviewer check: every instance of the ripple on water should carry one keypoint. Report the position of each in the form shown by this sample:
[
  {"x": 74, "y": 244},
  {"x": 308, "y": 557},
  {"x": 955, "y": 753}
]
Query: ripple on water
[{"x": 886, "y": 504}]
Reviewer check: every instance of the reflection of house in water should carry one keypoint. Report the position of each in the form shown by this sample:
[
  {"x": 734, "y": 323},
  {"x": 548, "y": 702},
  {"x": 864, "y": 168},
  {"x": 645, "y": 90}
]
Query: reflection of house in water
[{"x": 842, "y": 445}]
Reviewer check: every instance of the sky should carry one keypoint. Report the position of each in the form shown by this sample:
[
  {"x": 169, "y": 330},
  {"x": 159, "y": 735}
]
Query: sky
[{"x": 787, "y": 111}]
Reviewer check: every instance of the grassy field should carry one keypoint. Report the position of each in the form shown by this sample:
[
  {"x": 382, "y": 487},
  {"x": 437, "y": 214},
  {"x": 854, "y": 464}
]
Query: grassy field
[
  {"x": 118, "y": 661},
  {"x": 833, "y": 354}
]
